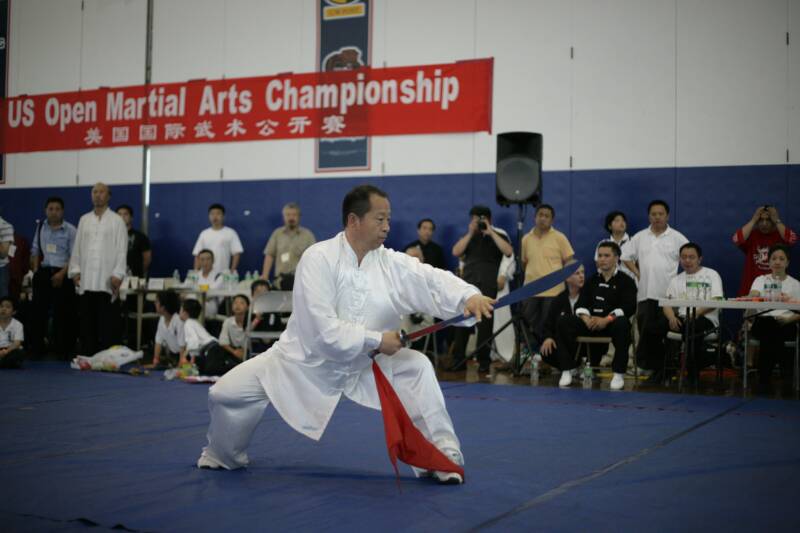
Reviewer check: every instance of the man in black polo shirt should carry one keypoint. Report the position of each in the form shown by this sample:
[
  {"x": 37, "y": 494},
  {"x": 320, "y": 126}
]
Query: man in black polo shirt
[
  {"x": 607, "y": 301},
  {"x": 481, "y": 249},
  {"x": 432, "y": 253},
  {"x": 139, "y": 254}
]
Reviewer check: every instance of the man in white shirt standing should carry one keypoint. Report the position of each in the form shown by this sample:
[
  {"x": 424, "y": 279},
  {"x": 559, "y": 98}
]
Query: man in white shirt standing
[
  {"x": 652, "y": 255},
  {"x": 221, "y": 240},
  {"x": 97, "y": 266},
  {"x": 348, "y": 297},
  {"x": 696, "y": 282}
]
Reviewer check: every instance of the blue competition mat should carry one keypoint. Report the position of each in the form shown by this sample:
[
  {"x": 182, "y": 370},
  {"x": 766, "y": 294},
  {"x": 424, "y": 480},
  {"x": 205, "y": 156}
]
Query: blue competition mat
[{"x": 81, "y": 448}]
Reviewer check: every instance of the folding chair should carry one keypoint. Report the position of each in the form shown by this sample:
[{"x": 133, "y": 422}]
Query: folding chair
[{"x": 269, "y": 302}]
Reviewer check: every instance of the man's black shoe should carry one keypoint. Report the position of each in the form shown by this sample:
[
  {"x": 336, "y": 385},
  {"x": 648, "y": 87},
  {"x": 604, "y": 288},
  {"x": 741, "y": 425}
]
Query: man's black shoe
[{"x": 457, "y": 366}]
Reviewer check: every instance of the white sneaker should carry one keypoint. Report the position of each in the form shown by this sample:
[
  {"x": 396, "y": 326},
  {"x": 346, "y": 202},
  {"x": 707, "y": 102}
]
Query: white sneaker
[
  {"x": 618, "y": 381},
  {"x": 566, "y": 379},
  {"x": 450, "y": 478},
  {"x": 207, "y": 462}
]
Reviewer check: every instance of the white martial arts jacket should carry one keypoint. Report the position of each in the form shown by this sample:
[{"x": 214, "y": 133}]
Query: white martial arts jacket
[{"x": 340, "y": 310}]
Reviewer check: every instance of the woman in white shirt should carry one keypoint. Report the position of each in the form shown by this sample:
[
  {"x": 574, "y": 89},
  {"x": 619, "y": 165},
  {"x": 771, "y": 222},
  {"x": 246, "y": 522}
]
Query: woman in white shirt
[
  {"x": 617, "y": 226},
  {"x": 776, "y": 327}
]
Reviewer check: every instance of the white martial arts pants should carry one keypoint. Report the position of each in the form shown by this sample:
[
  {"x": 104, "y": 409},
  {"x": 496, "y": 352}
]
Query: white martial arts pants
[{"x": 237, "y": 401}]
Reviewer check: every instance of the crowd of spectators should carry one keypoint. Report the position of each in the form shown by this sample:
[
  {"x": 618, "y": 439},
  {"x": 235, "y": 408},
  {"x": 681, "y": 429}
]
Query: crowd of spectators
[{"x": 78, "y": 273}]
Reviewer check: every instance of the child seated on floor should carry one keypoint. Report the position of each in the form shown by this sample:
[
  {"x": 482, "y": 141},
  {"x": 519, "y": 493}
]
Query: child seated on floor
[
  {"x": 11, "y": 336},
  {"x": 201, "y": 348},
  {"x": 232, "y": 339},
  {"x": 169, "y": 341}
]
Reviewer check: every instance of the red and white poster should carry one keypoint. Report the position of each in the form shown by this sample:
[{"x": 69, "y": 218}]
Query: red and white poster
[{"x": 446, "y": 98}]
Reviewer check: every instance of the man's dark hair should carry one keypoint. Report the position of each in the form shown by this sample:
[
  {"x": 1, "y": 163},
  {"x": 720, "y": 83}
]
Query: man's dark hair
[
  {"x": 205, "y": 251},
  {"x": 693, "y": 245},
  {"x": 258, "y": 283},
  {"x": 10, "y": 300},
  {"x": 419, "y": 224},
  {"x": 169, "y": 301},
  {"x": 54, "y": 200},
  {"x": 480, "y": 211},
  {"x": 192, "y": 308},
  {"x": 243, "y": 297},
  {"x": 546, "y": 206},
  {"x": 611, "y": 244},
  {"x": 780, "y": 246},
  {"x": 217, "y": 206},
  {"x": 128, "y": 208},
  {"x": 658, "y": 202},
  {"x": 610, "y": 218},
  {"x": 357, "y": 201}
]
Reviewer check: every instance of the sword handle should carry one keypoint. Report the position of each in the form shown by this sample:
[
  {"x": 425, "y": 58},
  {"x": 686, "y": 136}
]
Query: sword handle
[{"x": 403, "y": 340}]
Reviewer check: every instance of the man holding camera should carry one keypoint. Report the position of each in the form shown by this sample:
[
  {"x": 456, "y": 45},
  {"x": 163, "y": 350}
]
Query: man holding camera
[
  {"x": 544, "y": 250},
  {"x": 481, "y": 250},
  {"x": 755, "y": 244}
]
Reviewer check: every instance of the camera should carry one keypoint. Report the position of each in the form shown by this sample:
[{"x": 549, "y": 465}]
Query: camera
[{"x": 482, "y": 224}]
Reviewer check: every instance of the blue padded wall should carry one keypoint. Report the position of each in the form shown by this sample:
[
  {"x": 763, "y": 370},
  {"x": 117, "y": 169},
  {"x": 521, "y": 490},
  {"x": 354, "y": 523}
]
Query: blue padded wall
[{"x": 708, "y": 205}]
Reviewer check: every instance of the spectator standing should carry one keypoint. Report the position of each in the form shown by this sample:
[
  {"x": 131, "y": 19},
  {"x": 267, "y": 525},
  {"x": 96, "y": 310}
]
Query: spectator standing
[
  {"x": 285, "y": 247},
  {"x": 97, "y": 266},
  {"x": 53, "y": 290},
  {"x": 764, "y": 230},
  {"x": 544, "y": 250},
  {"x": 432, "y": 253},
  {"x": 482, "y": 248},
  {"x": 139, "y": 253},
  {"x": 221, "y": 240},
  {"x": 617, "y": 227},
  {"x": 653, "y": 255}
]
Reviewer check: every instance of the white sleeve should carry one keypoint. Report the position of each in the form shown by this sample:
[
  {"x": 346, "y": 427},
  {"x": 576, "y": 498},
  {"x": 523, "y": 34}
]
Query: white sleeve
[
  {"x": 17, "y": 332},
  {"x": 758, "y": 284},
  {"x": 673, "y": 290},
  {"x": 225, "y": 335},
  {"x": 120, "y": 249},
  {"x": 191, "y": 337},
  {"x": 198, "y": 245},
  {"x": 321, "y": 331},
  {"x": 180, "y": 328},
  {"x": 75, "y": 257},
  {"x": 160, "y": 331},
  {"x": 418, "y": 287},
  {"x": 235, "y": 244},
  {"x": 630, "y": 250},
  {"x": 717, "y": 290},
  {"x": 507, "y": 267},
  {"x": 794, "y": 289}
]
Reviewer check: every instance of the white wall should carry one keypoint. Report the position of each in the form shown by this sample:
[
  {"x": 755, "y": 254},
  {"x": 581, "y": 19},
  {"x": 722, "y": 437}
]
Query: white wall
[{"x": 653, "y": 83}]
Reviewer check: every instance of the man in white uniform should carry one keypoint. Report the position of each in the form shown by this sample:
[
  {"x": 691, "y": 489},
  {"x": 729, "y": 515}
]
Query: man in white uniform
[
  {"x": 349, "y": 294},
  {"x": 97, "y": 265}
]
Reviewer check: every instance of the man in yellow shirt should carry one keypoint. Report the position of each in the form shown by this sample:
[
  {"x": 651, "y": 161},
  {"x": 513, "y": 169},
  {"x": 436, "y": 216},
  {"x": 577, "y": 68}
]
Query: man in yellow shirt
[{"x": 544, "y": 250}]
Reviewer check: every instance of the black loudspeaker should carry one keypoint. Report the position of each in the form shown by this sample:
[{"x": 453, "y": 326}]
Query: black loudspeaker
[{"x": 519, "y": 168}]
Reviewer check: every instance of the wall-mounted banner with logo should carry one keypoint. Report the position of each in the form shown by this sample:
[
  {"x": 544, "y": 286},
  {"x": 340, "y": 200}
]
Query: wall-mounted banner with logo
[
  {"x": 4, "y": 19},
  {"x": 345, "y": 34},
  {"x": 446, "y": 98}
]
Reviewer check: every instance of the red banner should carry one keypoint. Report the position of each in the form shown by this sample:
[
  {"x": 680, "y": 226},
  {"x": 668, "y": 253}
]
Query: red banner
[{"x": 447, "y": 98}]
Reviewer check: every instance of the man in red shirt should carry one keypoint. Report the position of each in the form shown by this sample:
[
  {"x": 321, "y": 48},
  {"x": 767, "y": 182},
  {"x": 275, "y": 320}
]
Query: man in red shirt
[{"x": 755, "y": 244}]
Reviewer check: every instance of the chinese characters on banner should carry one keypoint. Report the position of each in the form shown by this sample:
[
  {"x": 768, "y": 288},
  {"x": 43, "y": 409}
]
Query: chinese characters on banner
[
  {"x": 345, "y": 28},
  {"x": 445, "y": 98}
]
